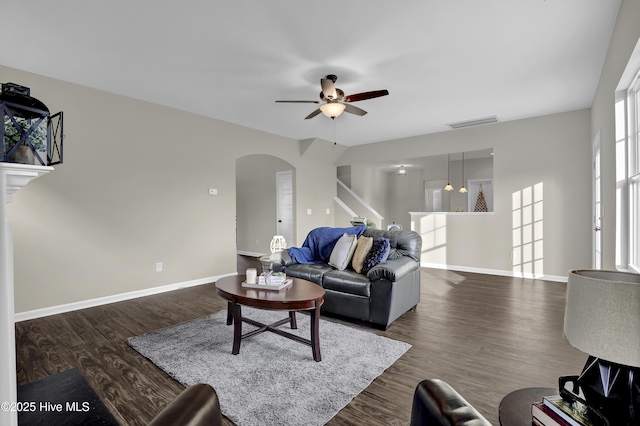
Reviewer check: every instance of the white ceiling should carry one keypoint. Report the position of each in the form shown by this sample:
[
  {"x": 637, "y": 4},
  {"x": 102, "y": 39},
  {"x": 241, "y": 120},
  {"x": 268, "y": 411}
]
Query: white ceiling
[{"x": 442, "y": 61}]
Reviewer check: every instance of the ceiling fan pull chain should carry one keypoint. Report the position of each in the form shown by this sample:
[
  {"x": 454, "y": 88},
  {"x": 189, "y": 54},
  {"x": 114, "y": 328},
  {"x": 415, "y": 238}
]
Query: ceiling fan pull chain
[{"x": 335, "y": 140}]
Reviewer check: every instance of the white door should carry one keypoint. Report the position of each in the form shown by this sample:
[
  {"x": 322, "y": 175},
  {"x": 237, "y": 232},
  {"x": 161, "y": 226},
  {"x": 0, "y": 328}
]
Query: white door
[
  {"x": 598, "y": 208},
  {"x": 284, "y": 206}
]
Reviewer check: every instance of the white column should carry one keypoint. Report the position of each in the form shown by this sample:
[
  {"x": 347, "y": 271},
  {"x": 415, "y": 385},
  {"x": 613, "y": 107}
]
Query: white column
[
  {"x": 7, "y": 324},
  {"x": 12, "y": 178}
]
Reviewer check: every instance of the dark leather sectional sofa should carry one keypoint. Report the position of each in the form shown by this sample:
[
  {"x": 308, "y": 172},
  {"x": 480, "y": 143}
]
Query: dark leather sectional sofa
[{"x": 386, "y": 292}]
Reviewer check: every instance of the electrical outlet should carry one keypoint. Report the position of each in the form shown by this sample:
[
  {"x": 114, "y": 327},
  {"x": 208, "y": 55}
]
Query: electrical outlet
[{"x": 159, "y": 267}]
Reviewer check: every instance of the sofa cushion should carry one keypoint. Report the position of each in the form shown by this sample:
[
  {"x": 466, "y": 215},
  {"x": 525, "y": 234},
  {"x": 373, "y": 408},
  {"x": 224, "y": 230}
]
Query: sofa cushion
[
  {"x": 362, "y": 250},
  {"x": 343, "y": 251},
  {"x": 378, "y": 254},
  {"x": 310, "y": 272},
  {"x": 348, "y": 305},
  {"x": 346, "y": 281}
]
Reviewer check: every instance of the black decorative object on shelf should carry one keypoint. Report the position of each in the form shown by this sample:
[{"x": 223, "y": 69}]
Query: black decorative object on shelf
[{"x": 30, "y": 134}]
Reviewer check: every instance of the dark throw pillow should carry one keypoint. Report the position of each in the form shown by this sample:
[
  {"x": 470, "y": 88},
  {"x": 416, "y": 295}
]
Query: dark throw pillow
[{"x": 378, "y": 254}]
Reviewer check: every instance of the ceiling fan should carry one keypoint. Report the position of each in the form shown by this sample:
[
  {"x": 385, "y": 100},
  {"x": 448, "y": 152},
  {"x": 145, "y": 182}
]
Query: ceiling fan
[{"x": 334, "y": 102}]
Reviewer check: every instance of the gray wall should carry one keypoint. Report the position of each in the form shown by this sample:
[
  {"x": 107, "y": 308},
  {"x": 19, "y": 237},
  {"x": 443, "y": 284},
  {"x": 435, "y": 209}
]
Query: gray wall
[
  {"x": 133, "y": 191},
  {"x": 553, "y": 149}
]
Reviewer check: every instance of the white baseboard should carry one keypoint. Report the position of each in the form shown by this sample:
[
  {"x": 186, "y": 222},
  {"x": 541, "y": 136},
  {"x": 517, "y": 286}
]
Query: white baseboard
[
  {"x": 68, "y": 307},
  {"x": 498, "y": 272}
]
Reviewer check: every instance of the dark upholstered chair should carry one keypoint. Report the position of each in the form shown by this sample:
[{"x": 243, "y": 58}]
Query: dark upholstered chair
[
  {"x": 197, "y": 405},
  {"x": 436, "y": 403}
]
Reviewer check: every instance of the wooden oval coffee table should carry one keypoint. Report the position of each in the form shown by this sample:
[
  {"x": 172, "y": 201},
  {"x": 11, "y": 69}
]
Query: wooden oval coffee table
[{"x": 301, "y": 295}]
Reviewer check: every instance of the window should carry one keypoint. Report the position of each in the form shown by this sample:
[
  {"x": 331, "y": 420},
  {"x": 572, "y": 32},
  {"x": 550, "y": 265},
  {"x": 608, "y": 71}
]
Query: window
[
  {"x": 633, "y": 175},
  {"x": 628, "y": 177}
]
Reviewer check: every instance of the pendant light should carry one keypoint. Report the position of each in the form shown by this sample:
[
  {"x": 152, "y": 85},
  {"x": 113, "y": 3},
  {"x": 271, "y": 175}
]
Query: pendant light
[
  {"x": 463, "y": 189},
  {"x": 448, "y": 187}
]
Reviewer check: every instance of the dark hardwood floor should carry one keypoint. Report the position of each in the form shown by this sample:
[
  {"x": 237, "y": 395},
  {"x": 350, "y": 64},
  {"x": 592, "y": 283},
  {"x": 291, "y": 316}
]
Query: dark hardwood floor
[{"x": 485, "y": 335}]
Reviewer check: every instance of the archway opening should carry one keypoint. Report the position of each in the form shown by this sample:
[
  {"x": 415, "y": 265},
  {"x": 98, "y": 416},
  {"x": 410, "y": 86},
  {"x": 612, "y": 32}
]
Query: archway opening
[{"x": 265, "y": 203}]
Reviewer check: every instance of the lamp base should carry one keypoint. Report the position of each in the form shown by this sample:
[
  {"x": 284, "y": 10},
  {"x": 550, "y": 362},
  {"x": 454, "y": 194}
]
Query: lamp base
[{"x": 609, "y": 389}]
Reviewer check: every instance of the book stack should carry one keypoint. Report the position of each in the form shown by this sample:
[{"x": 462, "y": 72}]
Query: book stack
[
  {"x": 554, "y": 411},
  {"x": 272, "y": 278},
  {"x": 270, "y": 281}
]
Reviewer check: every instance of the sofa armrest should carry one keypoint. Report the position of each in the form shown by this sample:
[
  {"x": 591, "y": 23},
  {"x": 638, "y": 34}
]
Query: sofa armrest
[
  {"x": 436, "y": 403},
  {"x": 197, "y": 405},
  {"x": 281, "y": 259},
  {"x": 393, "y": 270}
]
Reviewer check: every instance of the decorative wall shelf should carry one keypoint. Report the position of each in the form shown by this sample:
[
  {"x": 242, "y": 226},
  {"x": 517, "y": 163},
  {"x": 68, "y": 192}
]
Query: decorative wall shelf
[{"x": 19, "y": 175}]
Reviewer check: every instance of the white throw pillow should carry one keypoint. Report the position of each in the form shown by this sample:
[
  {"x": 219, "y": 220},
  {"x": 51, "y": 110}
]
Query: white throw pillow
[{"x": 343, "y": 251}]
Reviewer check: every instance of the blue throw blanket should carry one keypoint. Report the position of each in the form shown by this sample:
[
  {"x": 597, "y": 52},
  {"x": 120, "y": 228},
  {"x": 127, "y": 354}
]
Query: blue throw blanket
[{"x": 318, "y": 245}]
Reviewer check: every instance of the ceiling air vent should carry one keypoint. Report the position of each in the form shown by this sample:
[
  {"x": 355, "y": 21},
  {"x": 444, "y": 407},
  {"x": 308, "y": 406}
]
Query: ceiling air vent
[{"x": 471, "y": 123}]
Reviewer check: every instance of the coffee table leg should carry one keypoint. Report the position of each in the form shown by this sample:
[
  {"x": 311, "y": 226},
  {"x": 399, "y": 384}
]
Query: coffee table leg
[
  {"x": 292, "y": 320},
  {"x": 229, "y": 314},
  {"x": 237, "y": 328},
  {"x": 315, "y": 333}
]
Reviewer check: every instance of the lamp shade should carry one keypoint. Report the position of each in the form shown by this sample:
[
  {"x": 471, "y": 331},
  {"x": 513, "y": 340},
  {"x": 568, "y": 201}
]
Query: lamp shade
[
  {"x": 602, "y": 315},
  {"x": 332, "y": 109}
]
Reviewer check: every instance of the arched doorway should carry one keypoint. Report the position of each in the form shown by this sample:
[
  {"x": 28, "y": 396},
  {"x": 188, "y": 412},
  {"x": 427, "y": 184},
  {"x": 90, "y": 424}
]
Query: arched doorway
[{"x": 263, "y": 207}]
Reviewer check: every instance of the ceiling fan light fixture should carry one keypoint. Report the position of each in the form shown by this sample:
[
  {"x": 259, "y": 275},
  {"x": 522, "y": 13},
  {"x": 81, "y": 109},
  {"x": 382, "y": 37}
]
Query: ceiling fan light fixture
[{"x": 332, "y": 109}]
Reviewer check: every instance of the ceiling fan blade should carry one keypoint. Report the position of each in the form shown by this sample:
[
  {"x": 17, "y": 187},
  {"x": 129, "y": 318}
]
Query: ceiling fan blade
[
  {"x": 328, "y": 89},
  {"x": 354, "y": 110},
  {"x": 366, "y": 95},
  {"x": 302, "y": 102},
  {"x": 313, "y": 114}
]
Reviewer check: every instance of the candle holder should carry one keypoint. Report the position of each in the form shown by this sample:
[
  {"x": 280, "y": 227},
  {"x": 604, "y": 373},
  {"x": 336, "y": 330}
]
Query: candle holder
[{"x": 252, "y": 275}]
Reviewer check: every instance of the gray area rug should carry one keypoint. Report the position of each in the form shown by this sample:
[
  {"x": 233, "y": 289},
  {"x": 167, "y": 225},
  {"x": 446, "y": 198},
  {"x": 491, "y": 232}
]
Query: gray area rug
[{"x": 274, "y": 380}]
